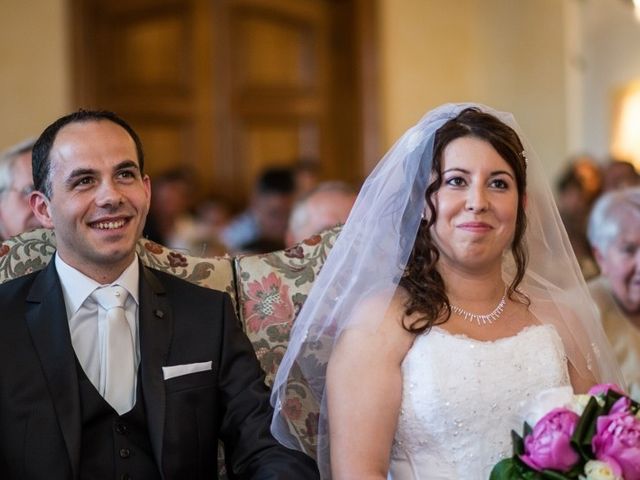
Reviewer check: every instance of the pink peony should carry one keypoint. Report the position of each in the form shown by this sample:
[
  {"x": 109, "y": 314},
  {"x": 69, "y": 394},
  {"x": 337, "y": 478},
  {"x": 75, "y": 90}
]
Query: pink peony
[
  {"x": 623, "y": 404},
  {"x": 548, "y": 446},
  {"x": 617, "y": 442},
  {"x": 603, "y": 388}
]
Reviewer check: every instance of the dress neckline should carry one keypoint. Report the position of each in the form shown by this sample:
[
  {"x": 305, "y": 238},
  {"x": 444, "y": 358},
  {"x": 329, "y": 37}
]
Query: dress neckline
[{"x": 467, "y": 338}]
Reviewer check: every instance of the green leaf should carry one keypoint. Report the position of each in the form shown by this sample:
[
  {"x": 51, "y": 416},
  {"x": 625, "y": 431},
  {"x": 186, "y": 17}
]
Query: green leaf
[
  {"x": 517, "y": 442},
  {"x": 553, "y": 475},
  {"x": 514, "y": 469},
  {"x": 506, "y": 469},
  {"x": 585, "y": 429}
]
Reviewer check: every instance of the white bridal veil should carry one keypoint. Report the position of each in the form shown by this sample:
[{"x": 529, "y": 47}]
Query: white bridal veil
[{"x": 372, "y": 250}]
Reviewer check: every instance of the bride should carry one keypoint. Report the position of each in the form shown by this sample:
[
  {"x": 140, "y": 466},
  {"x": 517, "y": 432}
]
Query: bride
[{"x": 450, "y": 299}]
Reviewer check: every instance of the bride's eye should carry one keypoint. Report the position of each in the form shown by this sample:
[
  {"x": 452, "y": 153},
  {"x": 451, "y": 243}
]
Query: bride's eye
[
  {"x": 499, "y": 183},
  {"x": 456, "y": 182}
]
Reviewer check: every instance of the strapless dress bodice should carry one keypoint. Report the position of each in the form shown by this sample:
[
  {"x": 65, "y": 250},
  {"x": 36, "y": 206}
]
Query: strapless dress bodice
[{"x": 462, "y": 397}]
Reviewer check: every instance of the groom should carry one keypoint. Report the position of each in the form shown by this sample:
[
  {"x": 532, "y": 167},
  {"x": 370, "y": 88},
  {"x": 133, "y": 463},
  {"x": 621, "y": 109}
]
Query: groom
[{"x": 109, "y": 369}]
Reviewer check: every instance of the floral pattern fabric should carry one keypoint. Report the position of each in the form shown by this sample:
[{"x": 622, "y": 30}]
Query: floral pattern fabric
[
  {"x": 31, "y": 251},
  {"x": 271, "y": 291}
]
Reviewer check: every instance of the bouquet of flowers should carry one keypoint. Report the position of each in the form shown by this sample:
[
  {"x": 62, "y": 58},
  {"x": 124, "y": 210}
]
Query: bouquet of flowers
[{"x": 590, "y": 437}]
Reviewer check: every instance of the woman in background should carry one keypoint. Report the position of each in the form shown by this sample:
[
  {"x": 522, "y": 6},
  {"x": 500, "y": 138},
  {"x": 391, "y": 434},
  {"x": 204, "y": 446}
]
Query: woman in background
[{"x": 614, "y": 233}]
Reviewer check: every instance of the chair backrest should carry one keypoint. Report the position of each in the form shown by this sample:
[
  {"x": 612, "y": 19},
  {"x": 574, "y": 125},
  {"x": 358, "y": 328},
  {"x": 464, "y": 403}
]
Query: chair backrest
[
  {"x": 31, "y": 251},
  {"x": 271, "y": 290}
]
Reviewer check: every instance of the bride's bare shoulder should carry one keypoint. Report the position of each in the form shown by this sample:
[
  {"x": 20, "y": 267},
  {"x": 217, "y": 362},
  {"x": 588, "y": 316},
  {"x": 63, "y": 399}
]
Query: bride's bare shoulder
[{"x": 383, "y": 313}]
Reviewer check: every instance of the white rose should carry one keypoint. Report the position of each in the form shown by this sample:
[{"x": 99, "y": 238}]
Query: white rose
[
  {"x": 544, "y": 402},
  {"x": 597, "y": 470},
  {"x": 578, "y": 403}
]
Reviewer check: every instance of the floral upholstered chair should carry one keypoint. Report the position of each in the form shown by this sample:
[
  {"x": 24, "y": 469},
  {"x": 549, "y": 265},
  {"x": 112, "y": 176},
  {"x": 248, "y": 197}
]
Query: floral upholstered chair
[
  {"x": 271, "y": 291},
  {"x": 31, "y": 251},
  {"x": 267, "y": 290}
]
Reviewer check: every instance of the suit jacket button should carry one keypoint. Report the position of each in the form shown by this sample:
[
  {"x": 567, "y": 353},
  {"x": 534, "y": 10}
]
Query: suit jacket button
[
  {"x": 125, "y": 453},
  {"x": 121, "y": 428}
]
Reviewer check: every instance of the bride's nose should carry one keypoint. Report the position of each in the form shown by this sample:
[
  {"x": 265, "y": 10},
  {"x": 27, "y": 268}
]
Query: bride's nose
[{"x": 477, "y": 200}]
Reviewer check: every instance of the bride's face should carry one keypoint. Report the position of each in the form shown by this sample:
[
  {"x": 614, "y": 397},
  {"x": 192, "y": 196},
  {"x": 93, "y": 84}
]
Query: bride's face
[{"x": 476, "y": 206}]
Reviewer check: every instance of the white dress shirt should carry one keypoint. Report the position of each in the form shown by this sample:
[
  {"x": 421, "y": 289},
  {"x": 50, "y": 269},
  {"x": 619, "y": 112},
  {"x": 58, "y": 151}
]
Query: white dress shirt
[{"x": 87, "y": 319}]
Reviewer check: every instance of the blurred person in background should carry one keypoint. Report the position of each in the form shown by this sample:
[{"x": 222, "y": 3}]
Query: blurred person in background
[
  {"x": 16, "y": 185},
  {"x": 618, "y": 174},
  {"x": 306, "y": 176},
  {"x": 577, "y": 189},
  {"x": 262, "y": 227},
  {"x": 211, "y": 217},
  {"x": 614, "y": 233},
  {"x": 327, "y": 205},
  {"x": 170, "y": 221}
]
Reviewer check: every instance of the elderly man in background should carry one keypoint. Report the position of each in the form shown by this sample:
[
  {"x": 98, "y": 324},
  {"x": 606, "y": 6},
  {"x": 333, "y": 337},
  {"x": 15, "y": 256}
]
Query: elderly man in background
[
  {"x": 325, "y": 206},
  {"x": 16, "y": 185},
  {"x": 614, "y": 233}
]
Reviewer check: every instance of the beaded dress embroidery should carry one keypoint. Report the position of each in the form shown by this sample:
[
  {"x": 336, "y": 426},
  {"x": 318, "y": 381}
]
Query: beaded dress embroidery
[{"x": 462, "y": 397}]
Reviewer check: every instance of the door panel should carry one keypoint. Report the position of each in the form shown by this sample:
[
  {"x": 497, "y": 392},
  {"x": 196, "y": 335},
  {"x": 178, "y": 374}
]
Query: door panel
[{"x": 229, "y": 87}]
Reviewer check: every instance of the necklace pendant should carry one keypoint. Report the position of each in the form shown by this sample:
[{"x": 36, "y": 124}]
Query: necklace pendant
[{"x": 480, "y": 319}]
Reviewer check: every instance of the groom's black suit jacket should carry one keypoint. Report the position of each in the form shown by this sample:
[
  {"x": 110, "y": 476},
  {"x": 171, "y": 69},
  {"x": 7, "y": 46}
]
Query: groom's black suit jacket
[{"x": 179, "y": 323}]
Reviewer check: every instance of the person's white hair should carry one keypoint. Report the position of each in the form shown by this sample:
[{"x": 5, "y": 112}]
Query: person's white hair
[
  {"x": 300, "y": 212},
  {"x": 609, "y": 213},
  {"x": 8, "y": 160}
]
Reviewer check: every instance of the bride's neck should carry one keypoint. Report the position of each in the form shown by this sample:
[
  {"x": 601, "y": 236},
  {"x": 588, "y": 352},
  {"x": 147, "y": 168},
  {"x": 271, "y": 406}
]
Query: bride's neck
[{"x": 465, "y": 286}]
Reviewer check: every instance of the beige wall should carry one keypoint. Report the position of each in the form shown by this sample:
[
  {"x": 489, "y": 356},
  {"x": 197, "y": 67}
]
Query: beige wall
[
  {"x": 611, "y": 62},
  {"x": 509, "y": 55},
  {"x": 34, "y": 67}
]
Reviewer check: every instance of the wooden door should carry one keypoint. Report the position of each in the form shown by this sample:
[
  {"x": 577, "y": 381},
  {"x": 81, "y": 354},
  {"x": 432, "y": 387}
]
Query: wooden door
[{"x": 228, "y": 87}]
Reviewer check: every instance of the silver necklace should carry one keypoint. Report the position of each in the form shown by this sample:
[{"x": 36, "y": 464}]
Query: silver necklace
[{"x": 482, "y": 319}]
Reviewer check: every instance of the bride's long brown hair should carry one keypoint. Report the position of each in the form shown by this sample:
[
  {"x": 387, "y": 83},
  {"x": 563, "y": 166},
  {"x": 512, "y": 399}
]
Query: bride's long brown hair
[{"x": 425, "y": 286}]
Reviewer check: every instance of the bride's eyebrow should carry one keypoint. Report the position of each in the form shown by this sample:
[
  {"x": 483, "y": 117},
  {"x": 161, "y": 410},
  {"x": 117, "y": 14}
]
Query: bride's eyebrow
[
  {"x": 456, "y": 169},
  {"x": 501, "y": 172},
  {"x": 467, "y": 172}
]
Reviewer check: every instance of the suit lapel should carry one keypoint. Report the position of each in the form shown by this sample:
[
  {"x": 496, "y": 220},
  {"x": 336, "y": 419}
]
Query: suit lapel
[
  {"x": 156, "y": 330},
  {"x": 46, "y": 318}
]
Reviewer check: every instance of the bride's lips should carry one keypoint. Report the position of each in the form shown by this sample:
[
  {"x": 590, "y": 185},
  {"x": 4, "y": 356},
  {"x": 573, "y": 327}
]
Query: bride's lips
[{"x": 478, "y": 227}]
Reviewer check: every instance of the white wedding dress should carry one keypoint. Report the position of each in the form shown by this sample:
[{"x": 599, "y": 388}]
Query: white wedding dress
[{"x": 462, "y": 397}]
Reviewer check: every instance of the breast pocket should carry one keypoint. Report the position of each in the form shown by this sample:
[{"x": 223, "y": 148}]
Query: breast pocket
[
  {"x": 191, "y": 413},
  {"x": 190, "y": 381}
]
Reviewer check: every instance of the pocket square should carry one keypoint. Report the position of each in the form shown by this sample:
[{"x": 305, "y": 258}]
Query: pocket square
[{"x": 179, "y": 370}]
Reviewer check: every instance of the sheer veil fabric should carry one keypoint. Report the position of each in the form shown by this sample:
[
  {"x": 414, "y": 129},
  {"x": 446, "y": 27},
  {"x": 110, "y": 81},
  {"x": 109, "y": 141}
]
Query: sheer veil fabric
[{"x": 372, "y": 250}]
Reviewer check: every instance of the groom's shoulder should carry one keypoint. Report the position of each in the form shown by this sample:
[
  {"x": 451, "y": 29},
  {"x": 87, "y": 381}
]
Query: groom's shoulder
[
  {"x": 178, "y": 287},
  {"x": 17, "y": 288}
]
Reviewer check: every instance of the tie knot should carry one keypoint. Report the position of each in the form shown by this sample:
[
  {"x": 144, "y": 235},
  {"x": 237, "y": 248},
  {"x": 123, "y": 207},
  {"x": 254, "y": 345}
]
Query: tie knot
[{"x": 111, "y": 296}]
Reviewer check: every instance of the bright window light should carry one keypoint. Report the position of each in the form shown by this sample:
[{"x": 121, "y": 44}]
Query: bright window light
[{"x": 626, "y": 134}]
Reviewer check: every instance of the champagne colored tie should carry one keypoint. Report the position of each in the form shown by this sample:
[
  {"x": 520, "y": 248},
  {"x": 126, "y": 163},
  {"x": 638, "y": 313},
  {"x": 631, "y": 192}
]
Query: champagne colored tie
[{"x": 120, "y": 360}]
